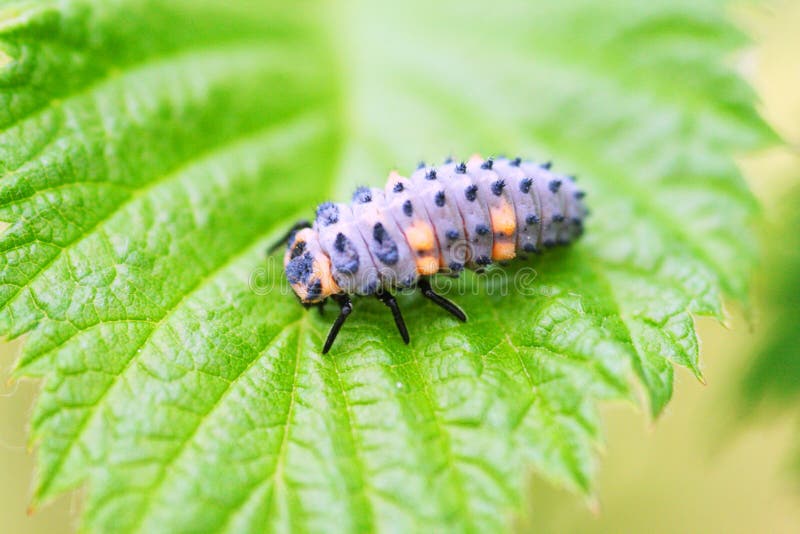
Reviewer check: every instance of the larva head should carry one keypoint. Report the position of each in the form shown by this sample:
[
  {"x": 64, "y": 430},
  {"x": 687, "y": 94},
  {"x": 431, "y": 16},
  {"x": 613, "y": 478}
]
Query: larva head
[{"x": 308, "y": 268}]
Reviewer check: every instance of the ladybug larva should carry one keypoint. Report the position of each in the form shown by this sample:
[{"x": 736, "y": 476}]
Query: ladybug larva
[{"x": 442, "y": 219}]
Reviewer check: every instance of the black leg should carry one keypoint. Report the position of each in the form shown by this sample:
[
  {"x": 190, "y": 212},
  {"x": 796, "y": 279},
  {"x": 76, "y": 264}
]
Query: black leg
[
  {"x": 345, "y": 307},
  {"x": 425, "y": 286},
  {"x": 388, "y": 299},
  {"x": 299, "y": 225}
]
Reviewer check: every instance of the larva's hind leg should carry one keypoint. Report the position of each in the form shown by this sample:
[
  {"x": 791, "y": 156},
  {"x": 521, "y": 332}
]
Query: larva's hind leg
[
  {"x": 388, "y": 299},
  {"x": 345, "y": 308},
  {"x": 425, "y": 286},
  {"x": 299, "y": 225}
]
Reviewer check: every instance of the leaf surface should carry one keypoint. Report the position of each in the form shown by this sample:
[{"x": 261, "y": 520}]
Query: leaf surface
[{"x": 152, "y": 150}]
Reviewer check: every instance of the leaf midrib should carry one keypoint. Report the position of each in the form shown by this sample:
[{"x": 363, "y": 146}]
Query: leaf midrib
[{"x": 155, "y": 488}]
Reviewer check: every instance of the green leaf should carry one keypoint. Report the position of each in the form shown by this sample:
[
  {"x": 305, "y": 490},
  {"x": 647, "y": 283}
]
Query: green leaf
[
  {"x": 774, "y": 374},
  {"x": 151, "y": 151}
]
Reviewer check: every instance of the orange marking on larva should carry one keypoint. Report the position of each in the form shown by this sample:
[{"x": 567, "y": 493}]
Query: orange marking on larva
[
  {"x": 301, "y": 291},
  {"x": 503, "y": 250},
  {"x": 420, "y": 236},
  {"x": 475, "y": 159},
  {"x": 504, "y": 220},
  {"x": 322, "y": 269},
  {"x": 427, "y": 265}
]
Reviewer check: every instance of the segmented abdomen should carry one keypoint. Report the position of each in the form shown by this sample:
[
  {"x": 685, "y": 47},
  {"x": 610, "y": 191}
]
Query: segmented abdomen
[{"x": 447, "y": 218}]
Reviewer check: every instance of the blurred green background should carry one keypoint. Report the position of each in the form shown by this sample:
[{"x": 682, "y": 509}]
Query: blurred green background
[{"x": 700, "y": 468}]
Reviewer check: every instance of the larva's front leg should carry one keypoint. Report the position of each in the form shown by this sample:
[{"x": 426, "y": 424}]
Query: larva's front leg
[
  {"x": 388, "y": 299},
  {"x": 345, "y": 308}
]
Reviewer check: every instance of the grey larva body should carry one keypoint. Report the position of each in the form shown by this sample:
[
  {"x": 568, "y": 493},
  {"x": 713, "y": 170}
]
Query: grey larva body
[{"x": 440, "y": 219}]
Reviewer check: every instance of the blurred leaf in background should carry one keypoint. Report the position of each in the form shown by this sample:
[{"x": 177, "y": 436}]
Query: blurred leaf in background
[
  {"x": 772, "y": 378},
  {"x": 146, "y": 150},
  {"x": 776, "y": 369},
  {"x": 774, "y": 375}
]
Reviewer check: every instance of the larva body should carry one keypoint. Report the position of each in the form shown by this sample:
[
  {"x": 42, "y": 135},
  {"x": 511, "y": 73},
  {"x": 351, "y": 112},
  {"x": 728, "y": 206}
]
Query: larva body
[{"x": 440, "y": 219}]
